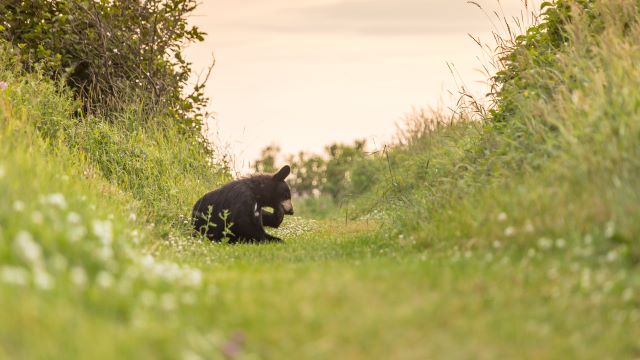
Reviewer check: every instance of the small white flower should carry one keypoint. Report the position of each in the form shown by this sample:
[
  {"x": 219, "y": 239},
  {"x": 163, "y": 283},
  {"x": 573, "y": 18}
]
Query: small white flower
[
  {"x": 610, "y": 230},
  {"x": 612, "y": 256},
  {"x": 104, "y": 279},
  {"x": 3, "y": 85},
  {"x": 56, "y": 199},
  {"x": 135, "y": 236},
  {"x": 147, "y": 261},
  {"x": 14, "y": 275},
  {"x": 18, "y": 206},
  {"x": 27, "y": 249},
  {"x": 588, "y": 239},
  {"x": 497, "y": 244},
  {"x": 78, "y": 276},
  {"x": 627, "y": 295},
  {"x": 502, "y": 217},
  {"x": 132, "y": 217},
  {"x": 103, "y": 230},
  {"x": 528, "y": 227},
  {"x": 73, "y": 218},
  {"x": 509, "y": 231},
  {"x": 560, "y": 243},
  {"x": 545, "y": 243},
  {"x": 75, "y": 233},
  {"x": 42, "y": 279},
  {"x": 194, "y": 278}
]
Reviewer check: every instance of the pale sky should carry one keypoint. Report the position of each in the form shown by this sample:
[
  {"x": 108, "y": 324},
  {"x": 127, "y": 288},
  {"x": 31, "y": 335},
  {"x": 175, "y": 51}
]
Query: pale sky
[{"x": 306, "y": 73}]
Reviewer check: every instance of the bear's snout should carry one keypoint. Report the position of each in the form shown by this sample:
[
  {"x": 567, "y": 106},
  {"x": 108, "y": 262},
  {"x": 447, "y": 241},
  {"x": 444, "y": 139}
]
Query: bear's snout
[{"x": 288, "y": 207}]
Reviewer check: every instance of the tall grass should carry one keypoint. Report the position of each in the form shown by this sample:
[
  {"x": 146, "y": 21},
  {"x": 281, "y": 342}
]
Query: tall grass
[{"x": 574, "y": 147}]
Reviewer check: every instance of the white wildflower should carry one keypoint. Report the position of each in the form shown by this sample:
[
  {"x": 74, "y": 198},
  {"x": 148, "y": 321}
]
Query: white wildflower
[
  {"x": 132, "y": 217},
  {"x": 104, "y": 231},
  {"x": 612, "y": 256},
  {"x": 194, "y": 278},
  {"x": 588, "y": 239},
  {"x": 502, "y": 217},
  {"x": 56, "y": 199},
  {"x": 42, "y": 279},
  {"x": 497, "y": 244},
  {"x": 135, "y": 236},
  {"x": 18, "y": 206},
  {"x": 627, "y": 295},
  {"x": 3, "y": 85},
  {"x": 73, "y": 218},
  {"x": 509, "y": 231},
  {"x": 147, "y": 261},
  {"x": 610, "y": 230},
  {"x": 528, "y": 226},
  {"x": 104, "y": 279},
  {"x": 545, "y": 243},
  {"x": 14, "y": 275},
  {"x": 560, "y": 243},
  {"x": 78, "y": 276},
  {"x": 27, "y": 249},
  {"x": 75, "y": 233}
]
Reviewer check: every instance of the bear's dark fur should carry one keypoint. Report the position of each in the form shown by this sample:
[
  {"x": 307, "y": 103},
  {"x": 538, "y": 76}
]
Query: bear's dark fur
[{"x": 244, "y": 200}]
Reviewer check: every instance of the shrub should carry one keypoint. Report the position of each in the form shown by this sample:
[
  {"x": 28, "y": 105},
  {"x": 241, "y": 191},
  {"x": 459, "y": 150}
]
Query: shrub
[{"x": 111, "y": 52}]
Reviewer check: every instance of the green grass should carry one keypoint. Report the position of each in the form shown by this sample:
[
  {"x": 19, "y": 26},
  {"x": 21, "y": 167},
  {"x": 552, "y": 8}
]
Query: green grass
[{"x": 512, "y": 239}]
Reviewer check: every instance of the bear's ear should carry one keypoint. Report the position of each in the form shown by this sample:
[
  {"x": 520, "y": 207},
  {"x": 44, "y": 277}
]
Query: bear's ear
[{"x": 282, "y": 174}]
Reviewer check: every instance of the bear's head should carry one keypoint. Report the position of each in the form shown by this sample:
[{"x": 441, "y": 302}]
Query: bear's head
[{"x": 282, "y": 193}]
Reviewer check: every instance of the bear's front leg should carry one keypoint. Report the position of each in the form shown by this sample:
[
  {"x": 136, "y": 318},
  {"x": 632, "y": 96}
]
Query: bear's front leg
[{"x": 273, "y": 219}]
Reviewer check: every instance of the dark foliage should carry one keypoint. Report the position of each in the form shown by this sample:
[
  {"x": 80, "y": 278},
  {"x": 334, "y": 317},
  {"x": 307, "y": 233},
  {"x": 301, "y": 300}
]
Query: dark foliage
[{"x": 112, "y": 53}]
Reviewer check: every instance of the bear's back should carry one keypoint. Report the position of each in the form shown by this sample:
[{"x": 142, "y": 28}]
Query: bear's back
[{"x": 235, "y": 197}]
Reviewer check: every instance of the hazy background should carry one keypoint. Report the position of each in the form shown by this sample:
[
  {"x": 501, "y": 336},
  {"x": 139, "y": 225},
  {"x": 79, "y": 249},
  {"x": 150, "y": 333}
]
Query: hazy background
[{"x": 305, "y": 73}]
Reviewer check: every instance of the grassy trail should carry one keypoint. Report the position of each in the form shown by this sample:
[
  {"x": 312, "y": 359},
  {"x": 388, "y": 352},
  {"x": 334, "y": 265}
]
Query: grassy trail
[{"x": 347, "y": 291}]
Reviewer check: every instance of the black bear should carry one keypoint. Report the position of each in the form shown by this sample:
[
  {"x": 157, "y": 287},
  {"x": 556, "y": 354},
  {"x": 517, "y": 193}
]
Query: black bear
[{"x": 242, "y": 201}]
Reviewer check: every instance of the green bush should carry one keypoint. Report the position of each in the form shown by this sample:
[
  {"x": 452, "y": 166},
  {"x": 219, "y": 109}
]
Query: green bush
[{"x": 112, "y": 53}]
